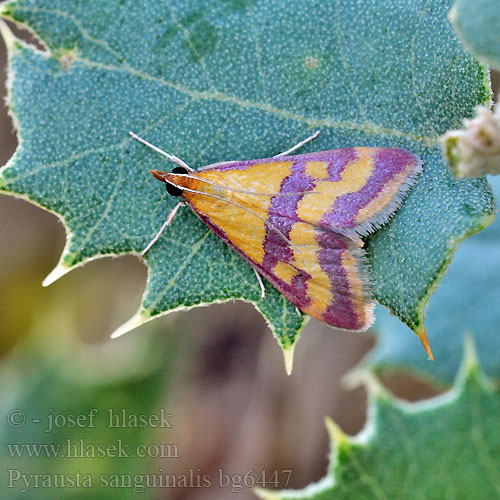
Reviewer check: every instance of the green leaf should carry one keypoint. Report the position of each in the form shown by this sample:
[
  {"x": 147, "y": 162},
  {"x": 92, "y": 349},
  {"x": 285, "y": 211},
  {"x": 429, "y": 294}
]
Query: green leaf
[
  {"x": 477, "y": 24},
  {"x": 72, "y": 398},
  {"x": 466, "y": 301},
  {"x": 218, "y": 80},
  {"x": 448, "y": 447}
]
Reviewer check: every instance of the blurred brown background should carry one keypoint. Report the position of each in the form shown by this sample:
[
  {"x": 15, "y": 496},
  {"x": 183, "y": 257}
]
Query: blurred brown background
[{"x": 234, "y": 407}]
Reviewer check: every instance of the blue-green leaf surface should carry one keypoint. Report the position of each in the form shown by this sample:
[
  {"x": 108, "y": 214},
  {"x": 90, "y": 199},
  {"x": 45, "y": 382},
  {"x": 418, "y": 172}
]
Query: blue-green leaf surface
[
  {"x": 220, "y": 80},
  {"x": 477, "y": 23},
  {"x": 448, "y": 447},
  {"x": 467, "y": 301}
]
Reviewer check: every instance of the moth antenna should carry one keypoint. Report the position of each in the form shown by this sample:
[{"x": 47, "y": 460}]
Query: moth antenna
[
  {"x": 171, "y": 157},
  {"x": 242, "y": 190},
  {"x": 236, "y": 205},
  {"x": 168, "y": 220}
]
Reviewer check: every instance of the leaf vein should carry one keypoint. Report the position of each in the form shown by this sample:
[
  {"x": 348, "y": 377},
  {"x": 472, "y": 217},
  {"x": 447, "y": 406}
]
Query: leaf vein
[
  {"x": 338, "y": 32},
  {"x": 187, "y": 259},
  {"x": 85, "y": 34},
  {"x": 413, "y": 70},
  {"x": 187, "y": 38},
  {"x": 106, "y": 210},
  {"x": 368, "y": 128}
]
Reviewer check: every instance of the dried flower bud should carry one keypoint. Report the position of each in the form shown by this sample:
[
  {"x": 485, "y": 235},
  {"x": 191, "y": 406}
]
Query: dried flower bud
[{"x": 474, "y": 150}]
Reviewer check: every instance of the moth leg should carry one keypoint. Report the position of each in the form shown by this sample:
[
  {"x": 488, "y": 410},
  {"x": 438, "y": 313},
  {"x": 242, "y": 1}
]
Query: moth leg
[
  {"x": 171, "y": 157},
  {"x": 298, "y": 311},
  {"x": 299, "y": 145},
  {"x": 262, "y": 289},
  {"x": 168, "y": 220}
]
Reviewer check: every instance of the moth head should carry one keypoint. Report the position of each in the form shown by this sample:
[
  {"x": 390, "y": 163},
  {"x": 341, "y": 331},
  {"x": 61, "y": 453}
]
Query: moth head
[{"x": 171, "y": 181}]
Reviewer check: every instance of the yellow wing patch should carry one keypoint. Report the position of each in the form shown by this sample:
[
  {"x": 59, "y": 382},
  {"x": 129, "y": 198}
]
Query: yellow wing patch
[
  {"x": 243, "y": 229},
  {"x": 317, "y": 169},
  {"x": 285, "y": 272},
  {"x": 352, "y": 179}
]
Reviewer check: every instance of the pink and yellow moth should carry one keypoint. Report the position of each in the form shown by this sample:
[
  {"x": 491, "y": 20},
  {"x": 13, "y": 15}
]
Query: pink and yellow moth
[{"x": 299, "y": 220}]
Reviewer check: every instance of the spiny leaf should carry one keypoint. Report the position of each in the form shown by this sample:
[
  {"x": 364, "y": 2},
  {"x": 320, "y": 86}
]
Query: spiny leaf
[
  {"x": 466, "y": 301},
  {"x": 448, "y": 447},
  {"x": 219, "y": 80}
]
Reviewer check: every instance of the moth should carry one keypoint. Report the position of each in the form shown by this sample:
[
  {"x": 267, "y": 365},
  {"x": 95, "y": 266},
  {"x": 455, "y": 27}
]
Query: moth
[{"x": 299, "y": 220}]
